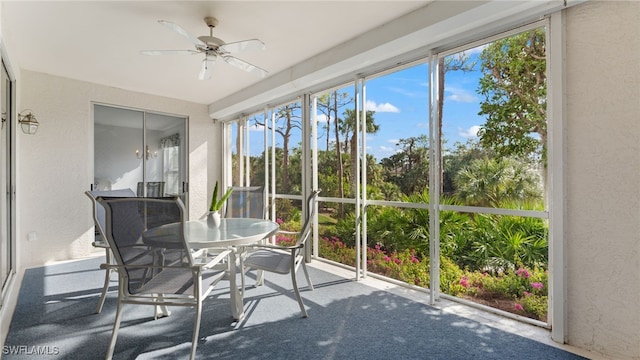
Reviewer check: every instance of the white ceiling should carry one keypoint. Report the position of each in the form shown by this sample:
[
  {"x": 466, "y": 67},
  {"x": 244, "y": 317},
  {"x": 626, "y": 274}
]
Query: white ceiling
[{"x": 100, "y": 41}]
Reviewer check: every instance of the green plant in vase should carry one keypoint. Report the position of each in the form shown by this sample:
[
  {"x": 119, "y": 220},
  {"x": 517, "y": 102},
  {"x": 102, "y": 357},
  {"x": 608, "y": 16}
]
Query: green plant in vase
[{"x": 217, "y": 204}]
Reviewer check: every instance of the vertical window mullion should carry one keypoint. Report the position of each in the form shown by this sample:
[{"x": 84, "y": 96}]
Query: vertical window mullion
[
  {"x": 265, "y": 152},
  {"x": 306, "y": 166},
  {"x": 555, "y": 42},
  {"x": 240, "y": 150},
  {"x": 314, "y": 163},
  {"x": 434, "y": 182},
  {"x": 247, "y": 153},
  {"x": 273, "y": 164},
  {"x": 144, "y": 153},
  {"x": 361, "y": 193},
  {"x": 227, "y": 154}
]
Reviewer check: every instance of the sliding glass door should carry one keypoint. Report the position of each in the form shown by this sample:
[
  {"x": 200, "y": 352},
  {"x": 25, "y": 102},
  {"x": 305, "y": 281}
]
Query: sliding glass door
[
  {"x": 7, "y": 167},
  {"x": 141, "y": 151}
]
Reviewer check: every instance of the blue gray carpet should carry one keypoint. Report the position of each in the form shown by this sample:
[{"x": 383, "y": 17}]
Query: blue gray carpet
[{"x": 347, "y": 320}]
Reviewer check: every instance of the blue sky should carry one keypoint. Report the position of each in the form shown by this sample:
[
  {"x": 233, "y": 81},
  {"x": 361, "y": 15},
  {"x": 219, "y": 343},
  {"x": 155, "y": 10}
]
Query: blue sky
[{"x": 401, "y": 104}]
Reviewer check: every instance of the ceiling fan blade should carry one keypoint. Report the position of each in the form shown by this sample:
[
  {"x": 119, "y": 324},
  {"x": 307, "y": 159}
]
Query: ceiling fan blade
[
  {"x": 252, "y": 44},
  {"x": 207, "y": 68},
  {"x": 244, "y": 65},
  {"x": 169, "y": 52},
  {"x": 177, "y": 28}
]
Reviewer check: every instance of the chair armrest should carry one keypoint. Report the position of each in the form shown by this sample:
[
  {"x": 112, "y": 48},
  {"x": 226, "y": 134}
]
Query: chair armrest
[
  {"x": 100, "y": 244},
  {"x": 277, "y": 247},
  {"x": 198, "y": 253},
  {"x": 216, "y": 260},
  {"x": 286, "y": 232},
  {"x": 108, "y": 266}
]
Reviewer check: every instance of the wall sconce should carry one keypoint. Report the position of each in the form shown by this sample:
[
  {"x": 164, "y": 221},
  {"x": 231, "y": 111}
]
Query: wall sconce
[
  {"x": 148, "y": 155},
  {"x": 28, "y": 122}
]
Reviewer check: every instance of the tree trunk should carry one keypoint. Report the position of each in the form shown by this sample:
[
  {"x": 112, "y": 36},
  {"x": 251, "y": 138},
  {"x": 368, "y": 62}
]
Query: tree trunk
[
  {"x": 285, "y": 156},
  {"x": 328, "y": 129}
]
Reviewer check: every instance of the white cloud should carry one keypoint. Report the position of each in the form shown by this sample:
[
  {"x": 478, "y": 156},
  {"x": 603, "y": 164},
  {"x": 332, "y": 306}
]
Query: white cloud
[
  {"x": 384, "y": 107},
  {"x": 412, "y": 94},
  {"x": 470, "y": 132},
  {"x": 322, "y": 118},
  {"x": 256, "y": 127},
  {"x": 460, "y": 95},
  {"x": 386, "y": 151}
]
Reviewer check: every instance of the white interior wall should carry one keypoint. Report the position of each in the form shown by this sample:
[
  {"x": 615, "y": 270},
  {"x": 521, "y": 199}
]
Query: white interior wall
[
  {"x": 603, "y": 177},
  {"x": 56, "y": 164}
]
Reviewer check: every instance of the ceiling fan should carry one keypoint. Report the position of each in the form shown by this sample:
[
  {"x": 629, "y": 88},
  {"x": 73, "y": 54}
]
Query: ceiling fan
[{"x": 213, "y": 48}]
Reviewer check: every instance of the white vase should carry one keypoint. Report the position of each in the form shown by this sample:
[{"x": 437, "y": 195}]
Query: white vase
[{"x": 214, "y": 218}]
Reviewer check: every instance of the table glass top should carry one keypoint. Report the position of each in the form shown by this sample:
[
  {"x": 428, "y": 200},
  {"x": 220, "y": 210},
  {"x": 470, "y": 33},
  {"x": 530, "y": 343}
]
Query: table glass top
[{"x": 232, "y": 232}]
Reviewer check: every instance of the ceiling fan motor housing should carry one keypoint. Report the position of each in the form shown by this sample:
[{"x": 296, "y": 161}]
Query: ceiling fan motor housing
[{"x": 211, "y": 41}]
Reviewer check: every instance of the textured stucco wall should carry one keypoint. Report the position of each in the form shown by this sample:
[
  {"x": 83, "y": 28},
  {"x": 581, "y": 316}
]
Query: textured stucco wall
[
  {"x": 55, "y": 166},
  {"x": 603, "y": 177}
]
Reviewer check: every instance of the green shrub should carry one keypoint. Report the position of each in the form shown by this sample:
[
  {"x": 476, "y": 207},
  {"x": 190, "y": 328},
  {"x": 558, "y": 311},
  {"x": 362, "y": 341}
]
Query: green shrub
[
  {"x": 535, "y": 305},
  {"x": 332, "y": 248},
  {"x": 287, "y": 211},
  {"x": 527, "y": 289},
  {"x": 345, "y": 230},
  {"x": 524, "y": 289},
  {"x": 450, "y": 275},
  {"x": 504, "y": 243},
  {"x": 404, "y": 266},
  {"x": 293, "y": 224}
]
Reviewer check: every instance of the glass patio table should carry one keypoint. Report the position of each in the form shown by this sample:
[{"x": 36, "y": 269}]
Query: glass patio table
[{"x": 233, "y": 233}]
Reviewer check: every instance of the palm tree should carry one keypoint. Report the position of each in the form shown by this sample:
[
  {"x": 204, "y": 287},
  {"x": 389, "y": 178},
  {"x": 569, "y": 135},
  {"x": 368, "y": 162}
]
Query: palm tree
[
  {"x": 487, "y": 182},
  {"x": 348, "y": 129}
]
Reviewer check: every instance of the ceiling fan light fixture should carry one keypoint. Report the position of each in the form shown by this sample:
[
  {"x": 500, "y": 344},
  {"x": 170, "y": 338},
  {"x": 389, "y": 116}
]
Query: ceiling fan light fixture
[{"x": 206, "y": 70}]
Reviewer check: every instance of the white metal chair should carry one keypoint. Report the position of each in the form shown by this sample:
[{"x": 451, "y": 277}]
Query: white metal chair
[
  {"x": 176, "y": 278},
  {"x": 287, "y": 259},
  {"x": 100, "y": 240}
]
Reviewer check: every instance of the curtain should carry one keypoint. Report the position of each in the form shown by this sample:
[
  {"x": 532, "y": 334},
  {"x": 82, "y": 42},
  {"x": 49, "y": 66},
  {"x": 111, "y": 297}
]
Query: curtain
[{"x": 170, "y": 146}]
